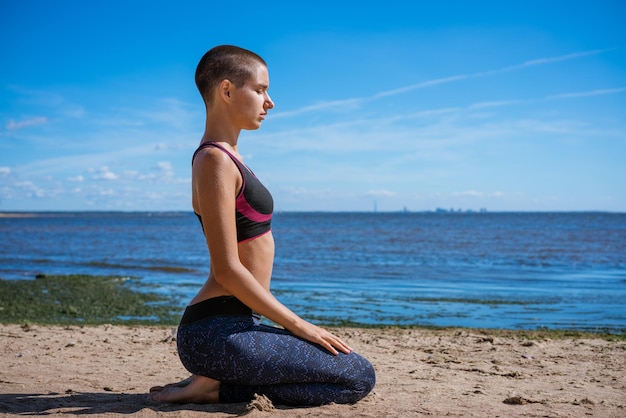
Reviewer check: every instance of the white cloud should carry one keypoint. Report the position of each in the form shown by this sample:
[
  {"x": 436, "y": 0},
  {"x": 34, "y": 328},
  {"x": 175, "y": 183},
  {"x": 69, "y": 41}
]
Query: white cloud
[
  {"x": 381, "y": 193},
  {"x": 155, "y": 195},
  {"x": 471, "y": 193},
  {"x": 76, "y": 179},
  {"x": 39, "y": 97},
  {"x": 549, "y": 60},
  {"x": 5, "y": 171},
  {"x": 13, "y": 125},
  {"x": 30, "y": 189},
  {"x": 601, "y": 92},
  {"x": 105, "y": 174},
  {"x": 498, "y": 103},
  {"x": 166, "y": 167},
  {"x": 346, "y": 103},
  {"x": 477, "y": 194},
  {"x": 169, "y": 113},
  {"x": 421, "y": 85},
  {"x": 298, "y": 192},
  {"x": 49, "y": 99}
]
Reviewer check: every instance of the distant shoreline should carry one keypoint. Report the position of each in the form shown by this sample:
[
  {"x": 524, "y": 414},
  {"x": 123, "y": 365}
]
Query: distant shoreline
[
  {"x": 18, "y": 215},
  {"x": 53, "y": 213}
]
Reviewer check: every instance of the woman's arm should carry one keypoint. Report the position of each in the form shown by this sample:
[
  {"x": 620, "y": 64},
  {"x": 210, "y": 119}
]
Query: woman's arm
[{"x": 216, "y": 181}]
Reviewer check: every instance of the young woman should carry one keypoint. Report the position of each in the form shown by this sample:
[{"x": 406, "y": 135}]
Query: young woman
[{"x": 220, "y": 340}]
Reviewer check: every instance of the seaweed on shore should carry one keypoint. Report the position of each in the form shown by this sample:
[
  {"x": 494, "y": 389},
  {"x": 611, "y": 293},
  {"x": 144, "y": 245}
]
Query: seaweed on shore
[{"x": 83, "y": 299}]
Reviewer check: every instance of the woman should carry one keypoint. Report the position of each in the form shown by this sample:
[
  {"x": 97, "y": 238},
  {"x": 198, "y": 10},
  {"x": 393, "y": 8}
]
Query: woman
[{"x": 220, "y": 341}]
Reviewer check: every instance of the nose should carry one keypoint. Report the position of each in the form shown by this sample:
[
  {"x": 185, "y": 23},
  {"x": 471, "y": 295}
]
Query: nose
[{"x": 269, "y": 104}]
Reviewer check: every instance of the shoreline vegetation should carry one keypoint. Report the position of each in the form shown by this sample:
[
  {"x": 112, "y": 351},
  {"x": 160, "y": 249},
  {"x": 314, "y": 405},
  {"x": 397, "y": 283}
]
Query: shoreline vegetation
[
  {"x": 84, "y": 300},
  {"x": 76, "y": 300}
]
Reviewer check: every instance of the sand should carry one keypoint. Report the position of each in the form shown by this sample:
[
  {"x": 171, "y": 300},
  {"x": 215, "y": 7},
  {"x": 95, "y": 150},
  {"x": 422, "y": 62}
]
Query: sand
[{"x": 107, "y": 370}]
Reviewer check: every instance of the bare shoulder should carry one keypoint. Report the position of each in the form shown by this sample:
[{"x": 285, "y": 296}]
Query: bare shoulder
[
  {"x": 211, "y": 157},
  {"x": 213, "y": 163},
  {"x": 213, "y": 174}
]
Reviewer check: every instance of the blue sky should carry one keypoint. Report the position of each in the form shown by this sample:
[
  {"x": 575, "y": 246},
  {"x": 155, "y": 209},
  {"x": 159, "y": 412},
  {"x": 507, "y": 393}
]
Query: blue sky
[{"x": 418, "y": 105}]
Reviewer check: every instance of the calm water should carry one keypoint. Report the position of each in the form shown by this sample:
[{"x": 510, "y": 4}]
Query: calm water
[{"x": 496, "y": 270}]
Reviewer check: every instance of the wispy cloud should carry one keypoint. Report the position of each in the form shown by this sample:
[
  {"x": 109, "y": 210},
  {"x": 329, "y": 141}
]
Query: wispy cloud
[
  {"x": 37, "y": 97},
  {"x": 575, "y": 95},
  {"x": 167, "y": 113},
  {"x": 421, "y": 85},
  {"x": 430, "y": 130},
  {"x": 48, "y": 100},
  {"x": 497, "y": 103},
  {"x": 355, "y": 102},
  {"x": 542, "y": 61},
  {"x": 525, "y": 64},
  {"x": 14, "y": 125}
]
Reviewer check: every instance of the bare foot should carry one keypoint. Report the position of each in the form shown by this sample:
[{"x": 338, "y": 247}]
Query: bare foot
[
  {"x": 199, "y": 390},
  {"x": 180, "y": 384}
]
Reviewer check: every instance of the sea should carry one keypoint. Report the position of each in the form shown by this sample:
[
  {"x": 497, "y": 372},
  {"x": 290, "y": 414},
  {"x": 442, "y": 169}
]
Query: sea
[{"x": 509, "y": 270}]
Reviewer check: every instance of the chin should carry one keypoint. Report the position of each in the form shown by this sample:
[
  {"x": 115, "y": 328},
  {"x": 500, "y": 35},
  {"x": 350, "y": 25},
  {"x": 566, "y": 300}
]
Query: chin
[{"x": 254, "y": 126}]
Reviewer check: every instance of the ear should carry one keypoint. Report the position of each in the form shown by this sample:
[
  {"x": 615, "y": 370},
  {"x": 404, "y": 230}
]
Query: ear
[{"x": 224, "y": 89}]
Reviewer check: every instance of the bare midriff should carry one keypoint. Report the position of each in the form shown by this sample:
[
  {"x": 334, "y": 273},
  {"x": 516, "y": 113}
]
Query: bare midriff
[{"x": 256, "y": 255}]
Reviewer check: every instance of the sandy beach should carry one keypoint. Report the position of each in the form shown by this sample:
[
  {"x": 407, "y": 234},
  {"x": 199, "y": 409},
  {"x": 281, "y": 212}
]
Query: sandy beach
[{"x": 106, "y": 371}]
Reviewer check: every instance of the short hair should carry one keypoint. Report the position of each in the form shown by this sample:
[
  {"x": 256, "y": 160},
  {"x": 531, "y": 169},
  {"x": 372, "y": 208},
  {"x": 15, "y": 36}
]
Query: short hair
[{"x": 225, "y": 62}]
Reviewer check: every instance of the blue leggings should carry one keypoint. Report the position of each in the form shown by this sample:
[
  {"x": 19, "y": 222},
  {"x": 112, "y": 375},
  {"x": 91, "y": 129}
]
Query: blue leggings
[{"x": 230, "y": 345}]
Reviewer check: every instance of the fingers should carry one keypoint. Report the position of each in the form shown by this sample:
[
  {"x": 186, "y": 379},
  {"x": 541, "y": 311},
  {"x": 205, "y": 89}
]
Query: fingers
[
  {"x": 333, "y": 343},
  {"x": 345, "y": 348},
  {"x": 324, "y": 338},
  {"x": 330, "y": 348}
]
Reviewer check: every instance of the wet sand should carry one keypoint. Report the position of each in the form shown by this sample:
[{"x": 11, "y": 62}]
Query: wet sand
[{"x": 107, "y": 370}]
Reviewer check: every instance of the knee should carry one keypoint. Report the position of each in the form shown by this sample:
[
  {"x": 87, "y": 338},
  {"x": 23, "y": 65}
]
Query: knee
[
  {"x": 369, "y": 378},
  {"x": 364, "y": 381}
]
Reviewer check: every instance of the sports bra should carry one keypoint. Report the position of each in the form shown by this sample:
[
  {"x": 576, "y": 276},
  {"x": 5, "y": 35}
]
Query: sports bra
[{"x": 253, "y": 205}]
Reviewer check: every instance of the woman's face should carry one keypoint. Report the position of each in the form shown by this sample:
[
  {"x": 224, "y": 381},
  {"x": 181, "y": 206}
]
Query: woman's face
[{"x": 252, "y": 101}]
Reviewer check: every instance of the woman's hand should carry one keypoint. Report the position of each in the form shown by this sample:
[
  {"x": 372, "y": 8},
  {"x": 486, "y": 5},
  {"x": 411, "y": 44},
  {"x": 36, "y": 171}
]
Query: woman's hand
[{"x": 320, "y": 336}]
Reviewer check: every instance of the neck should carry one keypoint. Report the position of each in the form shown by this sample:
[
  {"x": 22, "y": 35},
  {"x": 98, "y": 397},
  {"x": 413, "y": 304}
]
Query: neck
[{"x": 218, "y": 129}]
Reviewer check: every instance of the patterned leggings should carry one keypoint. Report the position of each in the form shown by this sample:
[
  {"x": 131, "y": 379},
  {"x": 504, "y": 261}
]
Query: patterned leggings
[{"x": 248, "y": 357}]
